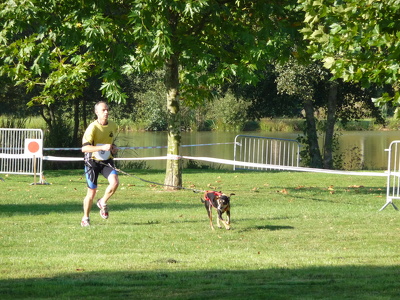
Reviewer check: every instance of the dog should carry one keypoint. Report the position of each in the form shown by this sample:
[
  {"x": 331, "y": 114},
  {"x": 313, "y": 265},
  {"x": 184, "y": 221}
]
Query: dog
[{"x": 221, "y": 203}]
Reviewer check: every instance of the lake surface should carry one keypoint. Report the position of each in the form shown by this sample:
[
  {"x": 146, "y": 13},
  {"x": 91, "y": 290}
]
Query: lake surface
[{"x": 368, "y": 145}]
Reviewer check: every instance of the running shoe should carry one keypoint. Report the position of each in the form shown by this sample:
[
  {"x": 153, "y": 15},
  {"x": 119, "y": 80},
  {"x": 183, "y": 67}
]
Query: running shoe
[
  {"x": 85, "y": 223},
  {"x": 103, "y": 210}
]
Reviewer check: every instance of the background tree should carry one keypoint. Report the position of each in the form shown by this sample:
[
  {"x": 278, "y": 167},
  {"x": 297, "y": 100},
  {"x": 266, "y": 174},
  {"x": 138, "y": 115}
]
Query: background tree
[
  {"x": 335, "y": 100},
  {"x": 55, "y": 50},
  {"x": 357, "y": 40},
  {"x": 201, "y": 44},
  {"x": 56, "y": 46}
]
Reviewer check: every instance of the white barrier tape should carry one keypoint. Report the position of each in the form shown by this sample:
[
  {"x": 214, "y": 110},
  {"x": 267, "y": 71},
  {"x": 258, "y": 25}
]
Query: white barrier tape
[
  {"x": 234, "y": 163},
  {"x": 4, "y": 155},
  {"x": 59, "y": 158},
  {"x": 142, "y": 158},
  {"x": 230, "y": 143},
  {"x": 58, "y": 149},
  {"x": 139, "y": 148},
  {"x": 55, "y": 158},
  {"x": 174, "y": 157},
  {"x": 286, "y": 168}
]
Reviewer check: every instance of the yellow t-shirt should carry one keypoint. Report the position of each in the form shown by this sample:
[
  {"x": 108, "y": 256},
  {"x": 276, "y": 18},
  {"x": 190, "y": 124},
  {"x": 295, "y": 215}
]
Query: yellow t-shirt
[{"x": 97, "y": 135}]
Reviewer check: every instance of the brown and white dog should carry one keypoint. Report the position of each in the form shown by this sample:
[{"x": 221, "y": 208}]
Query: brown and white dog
[{"x": 221, "y": 203}]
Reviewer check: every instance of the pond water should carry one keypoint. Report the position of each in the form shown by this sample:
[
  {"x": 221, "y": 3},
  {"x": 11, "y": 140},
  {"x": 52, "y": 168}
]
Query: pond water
[{"x": 369, "y": 146}]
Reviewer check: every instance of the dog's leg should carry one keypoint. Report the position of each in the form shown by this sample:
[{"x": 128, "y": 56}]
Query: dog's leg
[
  {"x": 219, "y": 218},
  {"x": 228, "y": 216},
  {"x": 227, "y": 227},
  {"x": 209, "y": 213}
]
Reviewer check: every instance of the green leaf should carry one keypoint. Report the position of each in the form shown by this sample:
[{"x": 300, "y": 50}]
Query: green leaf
[{"x": 329, "y": 62}]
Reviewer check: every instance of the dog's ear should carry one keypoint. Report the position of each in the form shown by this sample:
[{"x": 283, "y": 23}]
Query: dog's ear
[{"x": 231, "y": 194}]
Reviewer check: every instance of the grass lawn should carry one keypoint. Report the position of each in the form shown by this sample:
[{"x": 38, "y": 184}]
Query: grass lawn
[{"x": 294, "y": 236}]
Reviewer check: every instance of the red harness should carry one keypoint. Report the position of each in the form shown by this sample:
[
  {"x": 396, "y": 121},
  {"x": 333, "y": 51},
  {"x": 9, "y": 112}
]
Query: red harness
[{"x": 208, "y": 199}]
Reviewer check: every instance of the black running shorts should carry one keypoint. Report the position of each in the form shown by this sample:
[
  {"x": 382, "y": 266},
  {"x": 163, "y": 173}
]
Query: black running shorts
[{"x": 93, "y": 168}]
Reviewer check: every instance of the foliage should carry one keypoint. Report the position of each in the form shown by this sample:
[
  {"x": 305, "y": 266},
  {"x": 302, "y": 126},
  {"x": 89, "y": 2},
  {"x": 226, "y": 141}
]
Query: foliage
[
  {"x": 151, "y": 110},
  {"x": 310, "y": 83},
  {"x": 136, "y": 165},
  {"x": 355, "y": 161},
  {"x": 12, "y": 122},
  {"x": 301, "y": 80},
  {"x": 215, "y": 41},
  {"x": 13, "y": 100},
  {"x": 265, "y": 99},
  {"x": 356, "y": 40},
  {"x": 56, "y": 46},
  {"x": 228, "y": 113},
  {"x": 284, "y": 125}
]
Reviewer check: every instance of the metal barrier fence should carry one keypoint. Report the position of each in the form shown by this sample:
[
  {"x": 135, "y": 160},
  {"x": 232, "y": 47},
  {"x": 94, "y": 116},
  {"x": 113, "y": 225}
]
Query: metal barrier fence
[
  {"x": 393, "y": 174},
  {"x": 265, "y": 150},
  {"x": 21, "y": 151}
]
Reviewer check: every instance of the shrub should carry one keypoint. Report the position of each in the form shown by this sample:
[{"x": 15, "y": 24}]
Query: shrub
[{"x": 228, "y": 113}]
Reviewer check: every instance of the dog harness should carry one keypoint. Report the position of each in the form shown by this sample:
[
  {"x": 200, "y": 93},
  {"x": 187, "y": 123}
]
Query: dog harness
[{"x": 211, "y": 192}]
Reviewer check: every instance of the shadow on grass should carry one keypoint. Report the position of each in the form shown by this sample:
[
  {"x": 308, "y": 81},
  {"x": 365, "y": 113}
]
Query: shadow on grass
[
  {"x": 267, "y": 228},
  {"x": 343, "y": 282},
  {"x": 359, "y": 190},
  {"x": 42, "y": 209}
]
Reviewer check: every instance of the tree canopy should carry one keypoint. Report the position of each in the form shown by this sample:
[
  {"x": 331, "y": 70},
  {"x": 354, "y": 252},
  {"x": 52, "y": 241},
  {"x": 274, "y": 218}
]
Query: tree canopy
[
  {"x": 55, "y": 46},
  {"x": 358, "y": 40}
]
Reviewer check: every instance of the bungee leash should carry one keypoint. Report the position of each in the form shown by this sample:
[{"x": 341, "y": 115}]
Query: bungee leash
[{"x": 157, "y": 183}]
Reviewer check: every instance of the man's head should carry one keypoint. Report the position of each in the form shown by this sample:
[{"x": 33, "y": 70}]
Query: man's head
[{"x": 101, "y": 110}]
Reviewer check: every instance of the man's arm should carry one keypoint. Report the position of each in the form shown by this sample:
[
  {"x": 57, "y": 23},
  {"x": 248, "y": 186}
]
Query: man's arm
[{"x": 91, "y": 148}]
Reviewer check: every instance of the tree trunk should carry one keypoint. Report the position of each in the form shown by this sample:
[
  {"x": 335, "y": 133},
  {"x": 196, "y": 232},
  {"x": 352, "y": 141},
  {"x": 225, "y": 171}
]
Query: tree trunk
[
  {"x": 173, "y": 176},
  {"x": 84, "y": 113},
  {"x": 76, "y": 122},
  {"x": 312, "y": 136},
  {"x": 330, "y": 126}
]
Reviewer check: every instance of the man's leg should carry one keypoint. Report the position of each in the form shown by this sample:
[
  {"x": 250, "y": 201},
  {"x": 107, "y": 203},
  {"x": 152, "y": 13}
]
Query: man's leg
[
  {"x": 88, "y": 202},
  {"x": 113, "y": 183},
  {"x": 87, "y": 205}
]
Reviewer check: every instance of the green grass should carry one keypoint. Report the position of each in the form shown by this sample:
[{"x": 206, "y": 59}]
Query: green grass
[{"x": 293, "y": 236}]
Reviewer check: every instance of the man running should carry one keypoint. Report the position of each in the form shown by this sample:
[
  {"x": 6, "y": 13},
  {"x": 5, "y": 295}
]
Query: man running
[{"x": 98, "y": 146}]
